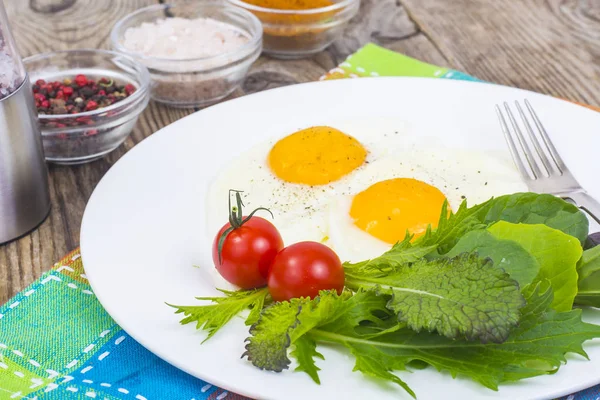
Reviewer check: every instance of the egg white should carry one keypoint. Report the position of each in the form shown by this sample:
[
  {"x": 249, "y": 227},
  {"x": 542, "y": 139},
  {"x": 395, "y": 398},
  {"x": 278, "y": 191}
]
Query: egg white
[
  {"x": 460, "y": 175},
  {"x": 321, "y": 213}
]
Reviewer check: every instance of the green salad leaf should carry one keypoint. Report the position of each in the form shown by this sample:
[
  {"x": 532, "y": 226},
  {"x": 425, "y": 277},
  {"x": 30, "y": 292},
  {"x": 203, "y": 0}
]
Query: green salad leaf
[
  {"x": 464, "y": 296},
  {"x": 213, "y": 317},
  {"x": 526, "y": 208},
  {"x": 267, "y": 347},
  {"x": 381, "y": 346},
  {"x": 305, "y": 352},
  {"x": 506, "y": 254},
  {"x": 533, "y": 208},
  {"x": 556, "y": 253},
  {"x": 283, "y": 323},
  {"x": 487, "y": 295},
  {"x": 400, "y": 254},
  {"x": 536, "y": 347},
  {"x": 589, "y": 278}
]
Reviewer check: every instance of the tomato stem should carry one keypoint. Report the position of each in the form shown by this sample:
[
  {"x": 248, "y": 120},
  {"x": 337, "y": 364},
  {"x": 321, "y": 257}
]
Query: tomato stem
[{"x": 236, "y": 217}]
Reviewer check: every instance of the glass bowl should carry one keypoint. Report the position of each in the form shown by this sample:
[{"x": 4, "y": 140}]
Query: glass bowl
[
  {"x": 292, "y": 34},
  {"x": 198, "y": 81},
  {"x": 87, "y": 136}
]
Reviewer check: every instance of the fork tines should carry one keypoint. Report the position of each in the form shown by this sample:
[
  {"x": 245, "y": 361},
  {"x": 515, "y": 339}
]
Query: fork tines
[{"x": 547, "y": 162}]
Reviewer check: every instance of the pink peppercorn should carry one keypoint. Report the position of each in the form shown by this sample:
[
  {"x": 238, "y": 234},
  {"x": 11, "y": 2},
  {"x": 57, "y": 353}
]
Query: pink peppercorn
[
  {"x": 129, "y": 89},
  {"x": 91, "y": 105},
  {"x": 81, "y": 80}
]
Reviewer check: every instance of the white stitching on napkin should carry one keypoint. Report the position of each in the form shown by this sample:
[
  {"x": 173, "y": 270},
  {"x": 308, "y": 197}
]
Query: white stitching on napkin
[
  {"x": 205, "y": 388},
  {"x": 89, "y": 347},
  {"x": 50, "y": 387},
  {"x": 36, "y": 382},
  {"x": 126, "y": 391},
  {"x": 51, "y": 374}
]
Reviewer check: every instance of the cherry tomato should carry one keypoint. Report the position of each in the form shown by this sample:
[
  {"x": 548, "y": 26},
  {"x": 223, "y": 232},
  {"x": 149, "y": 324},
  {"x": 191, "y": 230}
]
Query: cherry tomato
[
  {"x": 303, "y": 269},
  {"x": 247, "y": 252}
]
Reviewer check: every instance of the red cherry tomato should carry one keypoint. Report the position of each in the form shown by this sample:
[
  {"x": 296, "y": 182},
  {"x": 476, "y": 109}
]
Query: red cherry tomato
[
  {"x": 247, "y": 252},
  {"x": 303, "y": 269}
]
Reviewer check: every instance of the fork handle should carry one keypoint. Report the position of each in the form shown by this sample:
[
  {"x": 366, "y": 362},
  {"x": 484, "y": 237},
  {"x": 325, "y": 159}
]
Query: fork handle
[{"x": 587, "y": 203}]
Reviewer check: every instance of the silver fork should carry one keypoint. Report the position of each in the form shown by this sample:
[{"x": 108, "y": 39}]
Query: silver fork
[{"x": 546, "y": 173}]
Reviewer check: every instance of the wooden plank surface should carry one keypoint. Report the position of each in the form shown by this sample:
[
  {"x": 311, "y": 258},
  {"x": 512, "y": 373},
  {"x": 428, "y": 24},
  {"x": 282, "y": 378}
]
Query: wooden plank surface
[
  {"x": 548, "y": 46},
  {"x": 551, "y": 46},
  {"x": 87, "y": 23}
]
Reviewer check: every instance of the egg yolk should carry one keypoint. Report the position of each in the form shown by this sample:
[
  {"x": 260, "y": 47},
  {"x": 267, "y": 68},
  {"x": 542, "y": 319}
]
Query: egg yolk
[
  {"x": 316, "y": 156},
  {"x": 388, "y": 209}
]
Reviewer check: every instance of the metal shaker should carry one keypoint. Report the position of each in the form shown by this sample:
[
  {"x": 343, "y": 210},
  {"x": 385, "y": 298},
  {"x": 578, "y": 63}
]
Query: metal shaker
[{"x": 24, "y": 194}]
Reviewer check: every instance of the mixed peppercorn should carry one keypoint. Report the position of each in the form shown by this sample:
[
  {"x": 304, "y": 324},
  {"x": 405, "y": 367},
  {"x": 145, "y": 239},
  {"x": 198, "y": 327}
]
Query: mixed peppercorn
[{"x": 81, "y": 94}]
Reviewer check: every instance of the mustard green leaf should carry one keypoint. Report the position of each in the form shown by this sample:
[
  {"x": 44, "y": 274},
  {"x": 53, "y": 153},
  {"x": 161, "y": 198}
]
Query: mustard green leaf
[
  {"x": 212, "y": 317},
  {"x": 284, "y": 324},
  {"x": 537, "y": 346},
  {"x": 267, "y": 347},
  {"x": 465, "y": 296},
  {"x": 256, "y": 308},
  {"x": 377, "y": 366},
  {"x": 305, "y": 352},
  {"x": 400, "y": 254}
]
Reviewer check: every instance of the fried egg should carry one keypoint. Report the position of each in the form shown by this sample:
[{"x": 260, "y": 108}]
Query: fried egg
[
  {"x": 358, "y": 189},
  {"x": 404, "y": 192},
  {"x": 294, "y": 177}
]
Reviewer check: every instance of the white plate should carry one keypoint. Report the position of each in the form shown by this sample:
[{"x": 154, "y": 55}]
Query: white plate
[{"x": 143, "y": 228}]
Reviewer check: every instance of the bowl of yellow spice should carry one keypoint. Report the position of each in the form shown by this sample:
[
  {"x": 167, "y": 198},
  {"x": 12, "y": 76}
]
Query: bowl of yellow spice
[{"x": 300, "y": 28}]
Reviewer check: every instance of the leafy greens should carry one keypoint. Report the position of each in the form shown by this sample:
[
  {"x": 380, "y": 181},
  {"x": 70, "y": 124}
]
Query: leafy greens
[
  {"x": 589, "y": 278},
  {"x": 381, "y": 345},
  {"x": 213, "y": 317},
  {"x": 487, "y": 295},
  {"x": 556, "y": 253},
  {"x": 461, "y": 296}
]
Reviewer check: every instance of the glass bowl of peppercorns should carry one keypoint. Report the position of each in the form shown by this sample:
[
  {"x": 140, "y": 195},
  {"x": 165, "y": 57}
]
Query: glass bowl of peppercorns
[{"x": 88, "y": 101}]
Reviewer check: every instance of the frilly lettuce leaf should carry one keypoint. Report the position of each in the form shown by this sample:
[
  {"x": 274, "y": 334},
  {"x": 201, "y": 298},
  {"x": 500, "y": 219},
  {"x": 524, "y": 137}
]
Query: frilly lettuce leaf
[
  {"x": 283, "y": 323},
  {"x": 212, "y": 317}
]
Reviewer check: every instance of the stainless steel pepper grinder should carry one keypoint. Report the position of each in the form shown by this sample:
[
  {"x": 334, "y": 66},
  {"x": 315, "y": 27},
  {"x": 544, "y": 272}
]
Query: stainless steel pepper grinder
[{"x": 24, "y": 195}]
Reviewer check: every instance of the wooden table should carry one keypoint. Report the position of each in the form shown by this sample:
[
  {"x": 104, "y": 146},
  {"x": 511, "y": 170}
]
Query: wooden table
[{"x": 549, "y": 46}]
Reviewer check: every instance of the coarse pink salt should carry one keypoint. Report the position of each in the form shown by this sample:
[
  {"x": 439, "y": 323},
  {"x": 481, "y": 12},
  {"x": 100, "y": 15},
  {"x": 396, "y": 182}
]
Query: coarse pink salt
[{"x": 181, "y": 38}]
